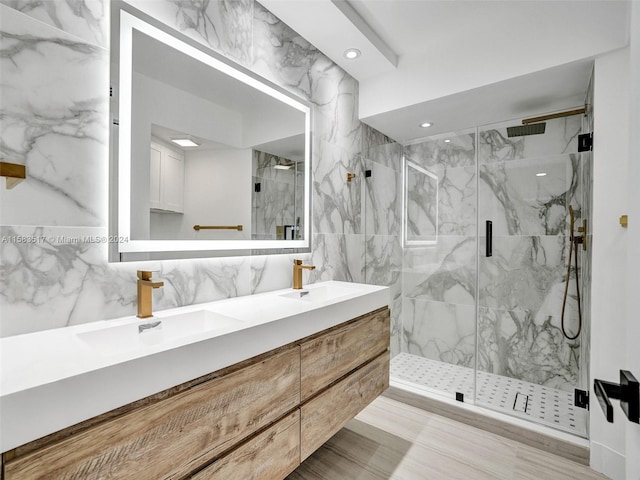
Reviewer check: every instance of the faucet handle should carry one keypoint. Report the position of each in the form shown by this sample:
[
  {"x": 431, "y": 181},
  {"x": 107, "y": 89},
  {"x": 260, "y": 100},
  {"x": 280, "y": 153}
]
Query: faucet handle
[
  {"x": 297, "y": 262},
  {"x": 145, "y": 274}
]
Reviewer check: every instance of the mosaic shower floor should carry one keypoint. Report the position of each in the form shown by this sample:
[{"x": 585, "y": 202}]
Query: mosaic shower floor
[{"x": 537, "y": 403}]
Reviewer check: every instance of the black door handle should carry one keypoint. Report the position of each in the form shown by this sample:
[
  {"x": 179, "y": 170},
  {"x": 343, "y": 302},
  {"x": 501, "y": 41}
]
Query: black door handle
[
  {"x": 489, "y": 236},
  {"x": 627, "y": 391}
]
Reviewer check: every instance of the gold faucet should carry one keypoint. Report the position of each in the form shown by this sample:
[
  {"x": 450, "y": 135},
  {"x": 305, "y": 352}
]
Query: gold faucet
[
  {"x": 297, "y": 273},
  {"x": 145, "y": 285}
]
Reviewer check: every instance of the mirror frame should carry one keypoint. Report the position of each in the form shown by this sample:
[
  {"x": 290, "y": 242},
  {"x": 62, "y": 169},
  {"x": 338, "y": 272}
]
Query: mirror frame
[{"x": 131, "y": 19}]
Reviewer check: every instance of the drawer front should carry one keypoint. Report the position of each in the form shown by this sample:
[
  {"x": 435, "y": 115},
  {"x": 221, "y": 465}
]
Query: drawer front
[
  {"x": 327, "y": 413},
  {"x": 172, "y": 437},
  {"x": 336, "y": 353},
  {"x": 271, "y": 455}
]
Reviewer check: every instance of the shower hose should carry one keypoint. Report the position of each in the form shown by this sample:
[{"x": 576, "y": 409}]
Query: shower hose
[{"x": 572, "y": 249}]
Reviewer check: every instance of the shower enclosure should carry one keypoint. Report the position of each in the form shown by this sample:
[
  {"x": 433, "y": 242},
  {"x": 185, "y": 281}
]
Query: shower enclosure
[{"x": 484, "y": 251}]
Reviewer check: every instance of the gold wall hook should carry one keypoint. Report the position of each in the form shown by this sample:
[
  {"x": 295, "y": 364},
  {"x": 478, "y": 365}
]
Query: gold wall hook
[
  {"x": 624, "y": 221},
  {"x": 14, "y": 173},
  {"x": 350, "y": 176}
]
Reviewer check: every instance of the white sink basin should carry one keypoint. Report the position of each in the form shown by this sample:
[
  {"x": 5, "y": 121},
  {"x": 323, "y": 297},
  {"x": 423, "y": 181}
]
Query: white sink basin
[
  {"x": 322, "y": 293},
  {"x": 157, "y": 330}
]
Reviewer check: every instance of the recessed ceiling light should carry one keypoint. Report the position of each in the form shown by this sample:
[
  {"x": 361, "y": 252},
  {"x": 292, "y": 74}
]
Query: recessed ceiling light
[
  {"x": 426, "y": 124},
  {"x": 283, "y": 167},
  {"x": 447, "y": 140},
  {"x": 541, "y": 174},
  {"x": 185, "y": 142},
  {"x": 352, "y": 53}
]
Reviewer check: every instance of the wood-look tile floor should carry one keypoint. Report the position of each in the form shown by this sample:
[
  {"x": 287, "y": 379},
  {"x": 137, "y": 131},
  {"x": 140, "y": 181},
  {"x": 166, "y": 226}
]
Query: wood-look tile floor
[{"x": 392, "y": 440}]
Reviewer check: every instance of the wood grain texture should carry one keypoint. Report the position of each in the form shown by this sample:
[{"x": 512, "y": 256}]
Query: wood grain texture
[
  {"x": 392, "y": 440},
  {"x": 332, "y": 355},
  {"x": 172, "y": 438},
  {"x": 143, "y": 402},
  {"x": 324, "y": 415},
  {"x": 271, "y": 455}
]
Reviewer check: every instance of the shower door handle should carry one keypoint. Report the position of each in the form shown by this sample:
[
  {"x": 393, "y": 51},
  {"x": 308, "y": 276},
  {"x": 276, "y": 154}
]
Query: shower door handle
[{"x": 489, "y": 236}]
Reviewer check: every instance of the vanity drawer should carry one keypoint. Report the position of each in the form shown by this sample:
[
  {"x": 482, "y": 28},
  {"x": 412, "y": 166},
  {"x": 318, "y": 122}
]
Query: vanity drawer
[
  {"x": 331, "y": 355},
  {"x": 271, "y": 455},
  {"x": 324, "y": 415},
  {"x": 172, "y": 437}
]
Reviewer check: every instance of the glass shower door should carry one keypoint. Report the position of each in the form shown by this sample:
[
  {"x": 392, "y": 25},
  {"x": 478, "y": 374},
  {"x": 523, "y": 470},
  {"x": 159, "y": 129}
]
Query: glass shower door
[
  {"x": 526, "y": 367},
  {"x": 439, "y": 257}
]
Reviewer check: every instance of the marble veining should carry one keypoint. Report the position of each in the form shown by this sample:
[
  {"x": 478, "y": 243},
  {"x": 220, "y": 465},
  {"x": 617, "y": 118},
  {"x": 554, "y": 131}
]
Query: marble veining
[
  {"x": 561, "y": 136},
  {"x": 280, "y": 199},
  {"x": 521, "y": 286},
  {"x": 54, "y": 121},
  {"x": 383, "y": 200},
  {"x": 383, "y": 266},
  {"x": 440, "y": 331},
  {"x": 517, "y": 345},
  {"x": 87, "y": 19},
  {"x": 521, "y": 203},
  {"x": 223, "y": 25}
]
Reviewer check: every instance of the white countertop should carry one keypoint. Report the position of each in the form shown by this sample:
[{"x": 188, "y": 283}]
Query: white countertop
[{"x": 53, "y": 379}]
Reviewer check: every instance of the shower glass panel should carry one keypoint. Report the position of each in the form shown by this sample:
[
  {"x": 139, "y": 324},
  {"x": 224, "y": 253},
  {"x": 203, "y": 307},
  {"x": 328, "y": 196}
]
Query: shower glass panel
[
  {"x": 438, "y": 336},
  {"x": 486, "y": 327},
  {"x": 526, "y": 367}
]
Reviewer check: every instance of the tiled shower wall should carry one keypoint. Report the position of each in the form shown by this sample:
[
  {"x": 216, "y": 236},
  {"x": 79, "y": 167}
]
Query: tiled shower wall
[
  {"x": 521, "y": 285},
  {"x": 55, "y": 106},
  {"x": 439, "y": 281},
  {"x": 279, "y": 199}
]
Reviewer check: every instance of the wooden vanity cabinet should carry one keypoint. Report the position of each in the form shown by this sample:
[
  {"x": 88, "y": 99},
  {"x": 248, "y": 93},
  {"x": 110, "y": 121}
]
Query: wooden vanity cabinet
[
  {"x": 255, "y": 420},
  {"x": 342, "y": 371}
]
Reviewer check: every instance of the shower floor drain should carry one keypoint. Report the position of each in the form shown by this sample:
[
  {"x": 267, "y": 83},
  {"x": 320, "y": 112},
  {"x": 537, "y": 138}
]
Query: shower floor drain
[{"x": 540, "y": 404}]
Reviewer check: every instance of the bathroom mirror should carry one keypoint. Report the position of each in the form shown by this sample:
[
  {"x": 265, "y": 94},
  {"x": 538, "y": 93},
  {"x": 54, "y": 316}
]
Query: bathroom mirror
[
  {"x": 420, "y": 206},
  {"x": 208, "y": 158}
]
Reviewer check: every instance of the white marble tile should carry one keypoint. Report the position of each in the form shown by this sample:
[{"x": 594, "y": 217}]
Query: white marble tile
[
  {"x": 513, "y": 344},
  {"x": 225, "y": 26},
  {"x": 459, "y": 151},
  {"x": 55, "y": 121},
  {"x": 57, "y": 276},
  {"x": 519, "y": 202},
  {"x": 445, "y": 272},
  {"x": 337, "y": 257},
  {"x": 383, "y": 266},
  {"x": 383, "y": 200},
  {"x": 525, "y": 273},
  {"x": 337, "y": 203},
  {"x": 87, "y": 19},
  {"x": 384, "y": 151},
  {"x": 440, "y": 331}
]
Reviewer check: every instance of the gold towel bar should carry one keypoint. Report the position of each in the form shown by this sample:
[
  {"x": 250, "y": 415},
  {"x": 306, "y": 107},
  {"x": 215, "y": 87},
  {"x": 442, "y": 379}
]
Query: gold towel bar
[
  {"x": 14, "y": 172},
  {"x": 217, "y": 227}
]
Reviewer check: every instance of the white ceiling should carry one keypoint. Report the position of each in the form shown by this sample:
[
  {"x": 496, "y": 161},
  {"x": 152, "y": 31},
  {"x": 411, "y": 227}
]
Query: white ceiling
[{"x": 460, "y": 63}]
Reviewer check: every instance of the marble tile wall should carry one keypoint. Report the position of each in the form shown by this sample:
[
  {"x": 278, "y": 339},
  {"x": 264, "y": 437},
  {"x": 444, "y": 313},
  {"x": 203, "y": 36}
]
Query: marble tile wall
[
  {"x": 382, "y": 192},
  {"x": 55, "y": 102},
  {"x": 280, "y": 199},
  {"x": 519, "y": 289},
  {"x": 439, "y": 281}
]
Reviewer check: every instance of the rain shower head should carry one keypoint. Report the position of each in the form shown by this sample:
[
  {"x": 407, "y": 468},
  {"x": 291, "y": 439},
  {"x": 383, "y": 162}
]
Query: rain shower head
[{"x": 528, "y": 129}]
